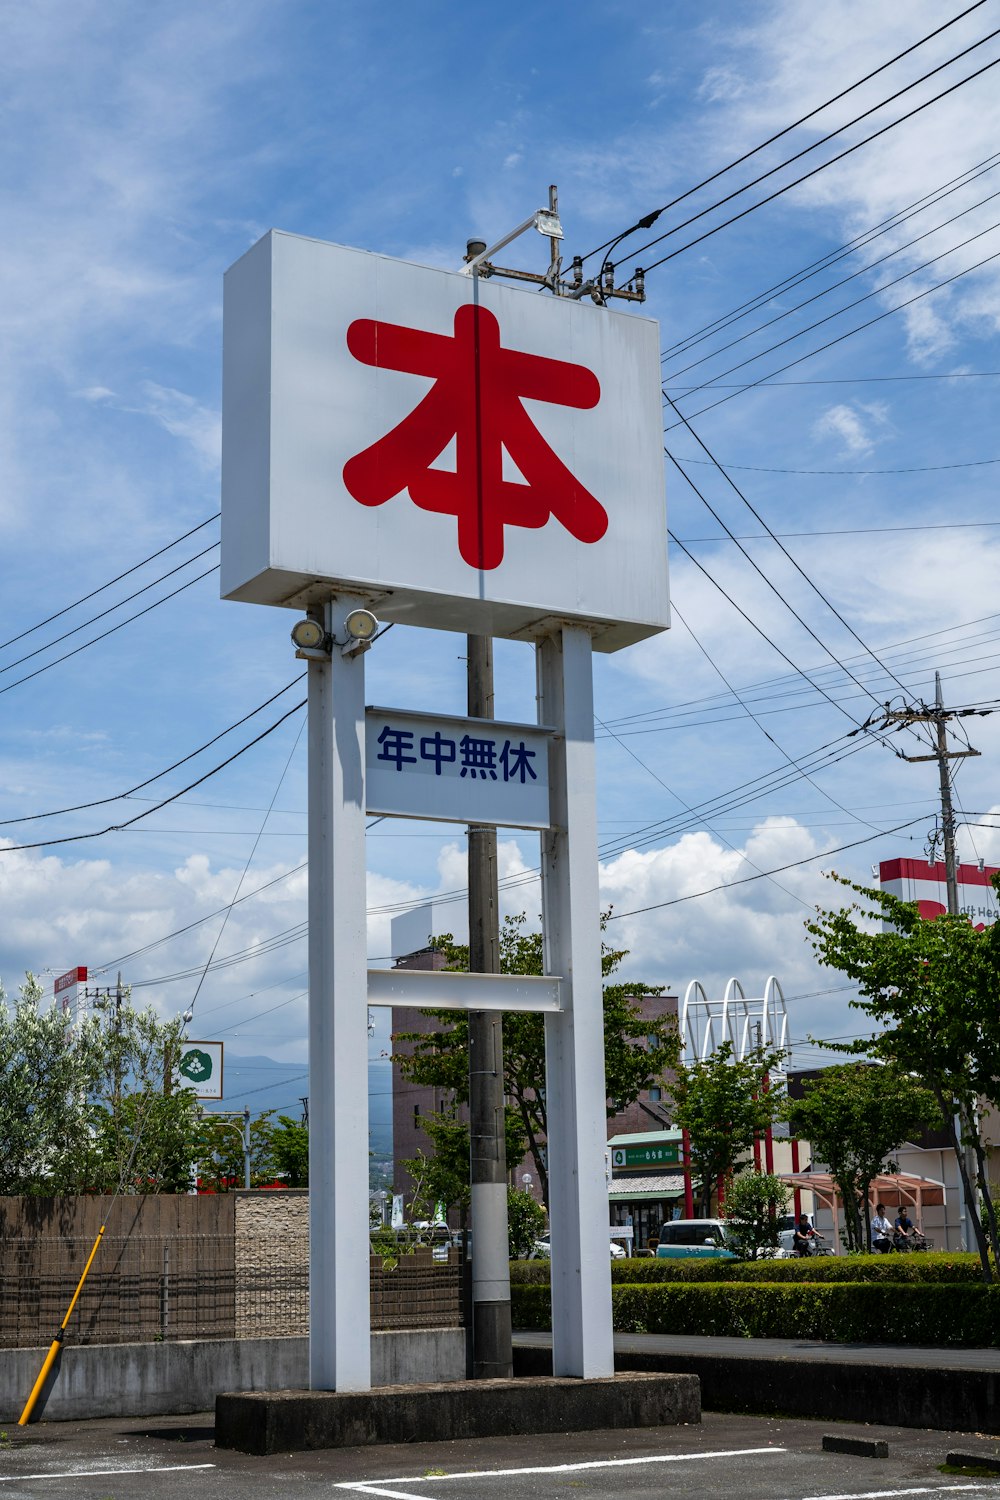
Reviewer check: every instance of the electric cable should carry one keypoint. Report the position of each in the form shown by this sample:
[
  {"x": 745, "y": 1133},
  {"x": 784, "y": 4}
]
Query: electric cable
[
  {"x": 104, "y": 634},
  {"x": 834, "y": 99},
  {"x": 836, "y": 285},
  {"x": 837, "y": 313},
  {"x": 747, "y": 879},
  {"x": 831, "y": 257},
  {"x": 111, "y": 582},
  {"x": 57, "y": 640},
  {"x": 741, "y": 385},
  {"x": 246, "y": 868},
  {"x": 831, "y": 343},
  {"x": 766, "y": 733},
  {"x": 808, "y": 628},
  {"x": 785, "y": 552},
  {"x": 76, "y": 838},
  {"x": 796, "y": 182},
  {"x": 978, "y": 463},
  {"x": 120, "y": 796}
]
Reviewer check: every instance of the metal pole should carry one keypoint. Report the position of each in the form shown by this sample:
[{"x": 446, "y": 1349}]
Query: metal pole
[
  {"x": 576, "y": 1090},
  {"x": 339, "y": 1295},
  {"x": 492, "y": 1351},
  {"x": 246, "y": 1145}
]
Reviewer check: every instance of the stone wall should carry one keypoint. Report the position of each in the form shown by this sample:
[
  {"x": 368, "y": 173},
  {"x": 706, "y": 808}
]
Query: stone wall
[{"x": 272, "y": 1263}]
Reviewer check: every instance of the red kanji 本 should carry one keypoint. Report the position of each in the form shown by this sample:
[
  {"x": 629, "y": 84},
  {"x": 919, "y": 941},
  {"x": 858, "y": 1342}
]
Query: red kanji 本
[{"x": 476, "y": 398}]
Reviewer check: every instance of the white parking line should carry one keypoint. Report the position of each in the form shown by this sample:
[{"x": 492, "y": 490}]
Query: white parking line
[
  {"x": 928, "y": 1489},
  {"x": 99, "y": 1473},
  {"x": 600, "y": 1463}
]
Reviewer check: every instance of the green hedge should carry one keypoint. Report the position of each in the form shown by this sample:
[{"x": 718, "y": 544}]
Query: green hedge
[
  {"x": 845, "y": 1313},
  {"x": 937, "y": 1267}
]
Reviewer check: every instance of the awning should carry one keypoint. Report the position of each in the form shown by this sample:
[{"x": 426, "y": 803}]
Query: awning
[{"x": 635, "y": 1189}]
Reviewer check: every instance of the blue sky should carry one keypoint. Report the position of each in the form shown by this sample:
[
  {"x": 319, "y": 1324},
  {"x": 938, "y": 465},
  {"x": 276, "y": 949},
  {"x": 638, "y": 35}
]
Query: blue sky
[{"x": 146, "y": 149}]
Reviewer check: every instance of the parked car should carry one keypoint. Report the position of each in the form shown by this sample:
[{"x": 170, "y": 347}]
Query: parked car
[
  {"x": 695, "y": 1239},
  {"x": 542, "y": 1250}
]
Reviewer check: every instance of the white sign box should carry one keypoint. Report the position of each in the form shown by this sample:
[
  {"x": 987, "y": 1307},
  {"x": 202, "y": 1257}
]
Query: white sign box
[
  {"x": 462, "y": 454},
  {"x": 456, "y": 770},
  {"x": 200, "y": 1068}
]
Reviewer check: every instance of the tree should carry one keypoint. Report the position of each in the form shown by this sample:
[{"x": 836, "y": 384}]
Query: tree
[
  {"x": 290, "y": 1150},
  {"x": 83, "y": 1102},
  {"x": 636, "y": 1051},
  {"x": 932, "y": 986},
  {"x": 855, "y": 1115},
  {"x": 723, "y": 1105},
  {"x": 525, "y": 1222},
  {"x": 49, "y": 1069},
  {"x": 754, "y": 1201},
  {"x": 218, "y": 1150}
]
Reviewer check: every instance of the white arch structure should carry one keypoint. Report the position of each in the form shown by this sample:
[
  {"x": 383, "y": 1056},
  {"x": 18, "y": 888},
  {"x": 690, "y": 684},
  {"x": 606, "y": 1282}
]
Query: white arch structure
[{"x": 738, "y": 1019}]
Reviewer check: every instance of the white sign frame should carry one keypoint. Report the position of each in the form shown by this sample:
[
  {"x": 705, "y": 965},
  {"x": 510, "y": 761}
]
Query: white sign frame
[
  {"x": 304, "y": 398},
  {"x": 423, "y": 775}
]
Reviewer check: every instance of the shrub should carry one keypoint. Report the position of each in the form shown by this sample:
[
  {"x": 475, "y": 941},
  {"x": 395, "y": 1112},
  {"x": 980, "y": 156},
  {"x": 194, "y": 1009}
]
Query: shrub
[
  {"x": 940, "y": 1266},
  {"x": 929, "y": 1314}
]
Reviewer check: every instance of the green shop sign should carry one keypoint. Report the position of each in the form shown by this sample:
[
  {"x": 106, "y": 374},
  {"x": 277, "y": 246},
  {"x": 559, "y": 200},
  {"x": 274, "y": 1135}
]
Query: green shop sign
[{"x": 666, "y": 1154}]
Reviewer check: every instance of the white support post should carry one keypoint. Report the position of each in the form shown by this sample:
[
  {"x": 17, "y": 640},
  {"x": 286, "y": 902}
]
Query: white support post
[
  {"x": 339, "y": 1297},
  {"x": 582, "y": 1340}
]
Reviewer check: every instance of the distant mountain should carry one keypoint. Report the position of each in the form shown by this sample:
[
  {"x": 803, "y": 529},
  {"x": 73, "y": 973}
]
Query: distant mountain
[{"x": 264, "y": 1083}]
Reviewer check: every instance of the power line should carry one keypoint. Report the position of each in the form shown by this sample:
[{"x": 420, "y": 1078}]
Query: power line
[
  {"x": 837, "y": 313},
  {"x": 104, "y": 634},
  {"x": 797, "y": 566},
  {"x": 845, "y": 281},
  {"x": 76, "y": 838},
  {"x": 110, "y": 610},
  {"x": 699, "y": 239},
  {"x": 719, "y": 385},
  {"x": 746, "y": 880},
  {"x": 796, "y": 123},
  {"x": 757, "y": 569},
  {"x": 978, "y": 463},
  {"x": 860, "y": 328},
  {"x": 111, "y": 582},
  {"x": 120, "y": 796},
  {"x": 831, "y": 257}
]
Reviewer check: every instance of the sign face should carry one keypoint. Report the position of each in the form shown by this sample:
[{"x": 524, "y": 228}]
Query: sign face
[
  {"x": 916, "y": 880},
  {"x": 200, "y": 1069},
  {"x": 456, "y": 770},
  {"x": 463, "y": 455},
  {"x": 647, "y": 1156},
  {"x": 65, "y": 988}
]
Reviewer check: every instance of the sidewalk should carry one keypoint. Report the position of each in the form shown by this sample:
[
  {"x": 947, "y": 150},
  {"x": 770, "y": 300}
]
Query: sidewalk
[
  {"x": 811, "y": 1350},
  {"x": 893, "y": 1385}
]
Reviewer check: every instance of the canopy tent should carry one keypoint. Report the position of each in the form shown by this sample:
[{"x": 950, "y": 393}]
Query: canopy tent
[{"x": 896, "y": 1187}]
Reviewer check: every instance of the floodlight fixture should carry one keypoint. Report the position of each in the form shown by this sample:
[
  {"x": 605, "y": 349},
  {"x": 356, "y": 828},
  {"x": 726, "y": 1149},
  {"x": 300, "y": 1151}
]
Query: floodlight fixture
[
  {"x": 310, "y": 640},
  {"x": 545, "y": 220},
  {"x": 361, "y": 625}
]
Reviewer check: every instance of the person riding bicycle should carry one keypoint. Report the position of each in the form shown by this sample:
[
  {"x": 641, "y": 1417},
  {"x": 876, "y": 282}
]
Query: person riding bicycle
[
  {"x": 881, "y": 1230},
  {"x": 904, "y": 1231},
  {"x": 802, "y": 1236}
]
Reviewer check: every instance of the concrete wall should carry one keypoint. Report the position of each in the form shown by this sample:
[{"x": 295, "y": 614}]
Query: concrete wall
[{"x": 144, "y": 1380}]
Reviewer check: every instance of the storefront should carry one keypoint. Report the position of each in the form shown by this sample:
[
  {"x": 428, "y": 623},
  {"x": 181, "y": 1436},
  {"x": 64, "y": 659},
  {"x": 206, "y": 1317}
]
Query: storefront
[{"x": 647, "y": 1182}]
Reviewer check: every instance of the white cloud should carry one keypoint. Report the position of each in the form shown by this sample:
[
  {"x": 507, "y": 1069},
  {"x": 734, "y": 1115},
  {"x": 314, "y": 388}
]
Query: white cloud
[
  {"x": 183, "y": 417},
  {"x": 858, "y": 426}
]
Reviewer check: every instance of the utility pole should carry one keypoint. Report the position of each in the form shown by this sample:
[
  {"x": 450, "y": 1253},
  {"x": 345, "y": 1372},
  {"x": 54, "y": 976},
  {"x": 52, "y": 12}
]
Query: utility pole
[
  {"x": 938, "y": 718},
  {"x": 492, "y": 1353}
]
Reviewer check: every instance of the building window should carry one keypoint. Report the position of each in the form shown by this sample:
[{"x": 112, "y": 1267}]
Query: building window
[
  {"x": 416, "y": 1113},
  {"x": 655, "y": 1095}
]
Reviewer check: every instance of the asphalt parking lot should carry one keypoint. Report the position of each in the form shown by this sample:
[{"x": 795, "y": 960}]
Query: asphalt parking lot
[{"x": 739, "y": 1458}]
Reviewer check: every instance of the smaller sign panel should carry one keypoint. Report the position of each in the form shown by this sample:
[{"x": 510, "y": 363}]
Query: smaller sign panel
[
  {"x": 664, "y": 1154},
  {"x": 457, "y": 770},
  {"x": 926, "y": 884},
  {"x": 66, "y": 989},
  {"x": 200, "y": 1069}
]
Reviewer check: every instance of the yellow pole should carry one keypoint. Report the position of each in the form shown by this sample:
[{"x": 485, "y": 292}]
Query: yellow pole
[{"x": 56, "y": 1345}]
